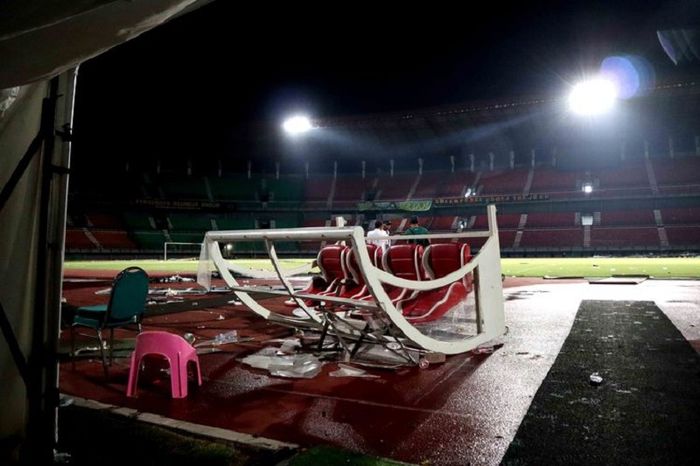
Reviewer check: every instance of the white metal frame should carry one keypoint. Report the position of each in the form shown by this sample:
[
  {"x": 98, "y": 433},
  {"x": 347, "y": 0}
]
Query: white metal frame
[{"x": 485, "y": 265}]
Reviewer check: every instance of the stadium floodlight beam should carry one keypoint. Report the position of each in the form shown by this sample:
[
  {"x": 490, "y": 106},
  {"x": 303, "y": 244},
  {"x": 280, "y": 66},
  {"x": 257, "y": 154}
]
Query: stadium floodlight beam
[
  {"x": 297, "y": 124},
  {"x": 593, "y": 97}
]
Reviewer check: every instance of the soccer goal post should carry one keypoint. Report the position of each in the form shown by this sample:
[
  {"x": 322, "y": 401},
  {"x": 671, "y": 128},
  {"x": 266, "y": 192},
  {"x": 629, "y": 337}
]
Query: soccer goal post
[{"x": 177, "y": 249}]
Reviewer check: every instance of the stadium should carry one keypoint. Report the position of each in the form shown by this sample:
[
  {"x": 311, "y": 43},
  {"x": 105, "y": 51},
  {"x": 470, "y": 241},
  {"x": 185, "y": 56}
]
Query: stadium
[
  {"x": 551, "y": 317},
  {"x": 626, "y": 187}
]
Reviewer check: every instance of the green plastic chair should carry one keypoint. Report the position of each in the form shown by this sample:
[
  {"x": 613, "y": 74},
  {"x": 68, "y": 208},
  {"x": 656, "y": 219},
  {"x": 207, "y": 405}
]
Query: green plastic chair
[{"x": 127, "y": 303}]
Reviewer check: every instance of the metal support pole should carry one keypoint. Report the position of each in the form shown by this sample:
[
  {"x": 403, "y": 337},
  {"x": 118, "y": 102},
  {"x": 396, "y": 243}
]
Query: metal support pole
[{"x": 43, "y": 395}]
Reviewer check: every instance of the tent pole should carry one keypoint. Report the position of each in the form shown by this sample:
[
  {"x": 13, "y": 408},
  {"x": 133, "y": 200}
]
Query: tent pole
[{"x": 43, "y": 393}]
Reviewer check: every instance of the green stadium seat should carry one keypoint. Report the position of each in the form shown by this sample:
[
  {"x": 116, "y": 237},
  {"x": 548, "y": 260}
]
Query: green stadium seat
[
  {"x": 138, "y": 221},
  {"x": 235, "y": 223},
  {"x": 286, "y": 190},
  {"x": 187, "y": 237},
  {"x": 184, "y": 187},
  {"x": 190, "y": 222},
  {"x": 150, "y": 240},
  {"x": 236, "y": 188}
]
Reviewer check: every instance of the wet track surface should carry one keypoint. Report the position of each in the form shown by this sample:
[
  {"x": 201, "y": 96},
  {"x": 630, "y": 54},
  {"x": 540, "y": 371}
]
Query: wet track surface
[{"x": 464, "y": 411}]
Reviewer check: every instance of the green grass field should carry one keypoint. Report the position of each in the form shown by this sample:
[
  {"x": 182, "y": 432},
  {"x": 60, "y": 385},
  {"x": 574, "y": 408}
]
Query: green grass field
[{"x": 658, "y": 267}]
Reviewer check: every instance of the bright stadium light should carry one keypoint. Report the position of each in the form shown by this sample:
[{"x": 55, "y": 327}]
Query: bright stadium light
[
  {"x": 593, "y": 97},
  {"x": 297, "y": 124},
  {"x": 587, "y": 188}
]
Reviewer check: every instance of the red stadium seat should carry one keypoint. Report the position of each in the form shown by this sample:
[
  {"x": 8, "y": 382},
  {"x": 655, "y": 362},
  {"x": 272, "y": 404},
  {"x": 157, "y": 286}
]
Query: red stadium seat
[
  {"x": 330, "y": 260},
  {"x": 403, "y": 261},
  {"x": 439, "y": 260},
  {"x": 354, "y": 285}
]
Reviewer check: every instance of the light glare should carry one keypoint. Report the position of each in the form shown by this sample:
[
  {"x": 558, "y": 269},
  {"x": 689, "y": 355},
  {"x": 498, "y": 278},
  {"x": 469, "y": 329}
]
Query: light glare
[
  {"x": 593, "y": 97},
  {"x": 297, "y": 124}
]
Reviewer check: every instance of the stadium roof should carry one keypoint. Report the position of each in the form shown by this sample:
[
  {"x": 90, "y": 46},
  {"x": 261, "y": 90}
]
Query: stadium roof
[{"x": 202, "y": 81}]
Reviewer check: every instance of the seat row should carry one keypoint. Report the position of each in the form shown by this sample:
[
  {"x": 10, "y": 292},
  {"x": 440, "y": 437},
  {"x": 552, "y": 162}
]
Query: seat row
[{"x": 341, "y": 276}]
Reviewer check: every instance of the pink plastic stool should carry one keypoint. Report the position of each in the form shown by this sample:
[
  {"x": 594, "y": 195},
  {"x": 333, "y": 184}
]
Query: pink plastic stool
[{"x": 175, "y": 349}]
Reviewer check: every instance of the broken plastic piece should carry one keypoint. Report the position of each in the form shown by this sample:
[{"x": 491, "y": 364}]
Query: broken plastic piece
[
  {"x": 289, "y": 346},
  {"x": 349, "y": 371},
  {"x": 487, "y": 349},
  {"x": 299, "y": 312},
  {"x": 175, "y": 278},
  {"x": 305, "y": 366},
  {"x": 224, "y": 338},
  {"x": 385, "y": 356}
]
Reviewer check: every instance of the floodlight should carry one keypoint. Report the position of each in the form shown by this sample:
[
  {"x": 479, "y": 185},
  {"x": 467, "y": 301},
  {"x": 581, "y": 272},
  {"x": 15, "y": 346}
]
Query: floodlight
[
  {"x": 587, "y": 188},
  {"x": 593, "y": 97},
  {"x": 297, "y": 124}
]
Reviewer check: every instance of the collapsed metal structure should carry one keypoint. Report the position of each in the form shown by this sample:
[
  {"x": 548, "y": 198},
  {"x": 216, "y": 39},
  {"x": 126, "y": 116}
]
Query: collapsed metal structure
[{"x": 376, "y": 319}]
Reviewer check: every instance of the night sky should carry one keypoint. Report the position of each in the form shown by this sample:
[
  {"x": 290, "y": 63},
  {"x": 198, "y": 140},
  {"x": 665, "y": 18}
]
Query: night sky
[{"x": 198, "y": 85}]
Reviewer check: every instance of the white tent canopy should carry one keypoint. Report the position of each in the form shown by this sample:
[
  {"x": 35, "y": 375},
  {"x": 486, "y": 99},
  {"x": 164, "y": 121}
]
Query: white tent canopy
[{"x": 41, "y": 44}]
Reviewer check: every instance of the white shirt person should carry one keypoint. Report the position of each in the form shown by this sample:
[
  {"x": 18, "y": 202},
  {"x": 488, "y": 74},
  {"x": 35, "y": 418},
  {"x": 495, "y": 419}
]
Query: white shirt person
[{"x": 378, "y": 236}]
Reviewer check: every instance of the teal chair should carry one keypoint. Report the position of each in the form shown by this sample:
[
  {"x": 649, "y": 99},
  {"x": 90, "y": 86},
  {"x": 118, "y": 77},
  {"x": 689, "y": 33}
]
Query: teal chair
[{"x": 127, "y": 302}]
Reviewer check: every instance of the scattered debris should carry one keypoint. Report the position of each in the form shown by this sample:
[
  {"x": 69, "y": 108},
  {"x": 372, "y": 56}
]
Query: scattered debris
[
  {"x": 349, "y": 371},
  {"x": 289, "y": 346},
  {"x": 595, "y": 379},
  {"x": 486, "y": 349},
  {"x": 299, "y": 312},
  {"x": 304, "y": 366},
  {"x": 175, "y": 279},
  {"x": 225, "y": 338},
  {"x": 221, "y": 339},
  {"x": 382, "y": 356},
  {"x": 175, "y": 292}
]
